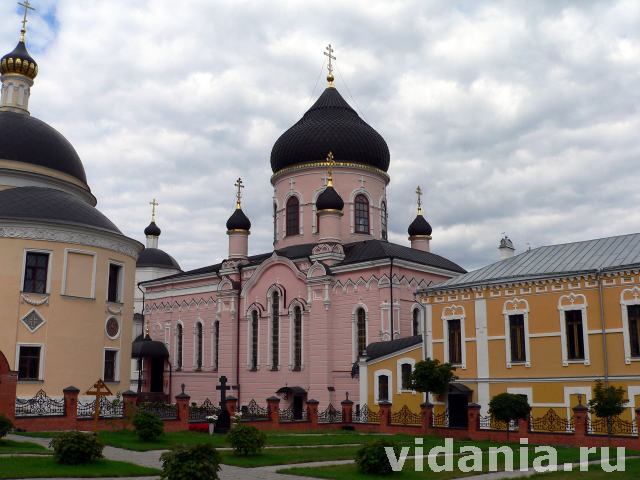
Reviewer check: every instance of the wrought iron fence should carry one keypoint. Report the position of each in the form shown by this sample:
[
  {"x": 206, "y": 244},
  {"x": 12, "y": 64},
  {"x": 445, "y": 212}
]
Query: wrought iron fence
[
  {"x": 440, "y": 419},
  {"x": 289, "y": 415},
  {"x": 330, "y": 415},
  {"x": 366, "y": 415},
  {"x": 612, "y": 425},
  {"x": 39, "y": 405},
  {"x": 108, "y": 408},
  {"x": 490, "y": 423},
  {"x": 199, "y": 413},
  {"x": 166, "y": 411},
  {"x": 551, "y": 422},
  {"x": 253, "y": 411},
  {"x": 405, "y": 416}
]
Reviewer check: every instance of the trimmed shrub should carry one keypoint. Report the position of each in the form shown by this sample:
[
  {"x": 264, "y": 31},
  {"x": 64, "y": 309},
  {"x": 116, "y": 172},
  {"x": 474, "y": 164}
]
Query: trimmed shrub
[
  {"x": 372, "y": 458},
  {"x": 74, "y": 448},
  {"x": 5, "y": 426},
  {"x": 246, "y": 440},
  {"x": 147, "y": 425},
  {"x": 196, "y": 462}
]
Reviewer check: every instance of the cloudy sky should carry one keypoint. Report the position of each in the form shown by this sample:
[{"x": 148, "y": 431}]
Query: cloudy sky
[{"x": 517, "y": 116}]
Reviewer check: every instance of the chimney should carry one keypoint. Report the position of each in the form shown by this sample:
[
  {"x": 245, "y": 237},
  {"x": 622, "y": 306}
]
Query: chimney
[{"x": 506, "y": 248}]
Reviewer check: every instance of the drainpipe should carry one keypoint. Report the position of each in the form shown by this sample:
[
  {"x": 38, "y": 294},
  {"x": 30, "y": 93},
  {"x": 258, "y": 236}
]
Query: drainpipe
[
  {"x": 391, "y": 288},
  {"x": 603, "y": 329}
]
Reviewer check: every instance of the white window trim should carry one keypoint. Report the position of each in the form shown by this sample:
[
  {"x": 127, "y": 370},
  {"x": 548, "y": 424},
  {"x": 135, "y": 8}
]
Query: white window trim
[
  {"x": 271, "y": 322},
  {"x": 214, "y": 347},
  {"x": 399, "y": 363},
  {"x": 414, "y": 307},
  {"x": 516, "y": 306},
  {"x": 195, "y": 344},
  {"x": 40, "y": 365},
  {"x": 568, "y": 303},
  {"x": 298, "y": 195},
  {"x": 47, "y": 290},
  {"x": 44, "y": 320},
  {"x": 117, "y": 367},
  {"x": 249, "y": 339},
  {"x": 119, "y": 327},
  {"x": 292, "y": 308},
  {"x": 352, "y": 207},
  {"x": 120, "y": 295},
  {"x": 376, "y": 385},
  {"x": 354, "y": 328},
  {"x": 177, "y": 363},
  {"x": 93, "y": 272},
  {"x": 625, "y": 301},
  {"x": 454, "y": 312}
]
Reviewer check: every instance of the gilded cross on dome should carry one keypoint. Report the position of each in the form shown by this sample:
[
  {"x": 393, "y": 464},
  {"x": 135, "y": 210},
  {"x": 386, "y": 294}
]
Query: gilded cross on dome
[
  {"x": 329, "y": 53},
  {"x": 331, "y": 163},
  {"x": 239, "y": 186},
  {"x": 27, "y": 6},
  {"x": 419, "y": 194},
  {"x": 154, "y": 203}
]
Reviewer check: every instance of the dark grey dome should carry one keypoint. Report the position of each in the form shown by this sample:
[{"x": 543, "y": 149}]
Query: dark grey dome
[
  {"x": 329, "y": 199},
  {"x": 154, "y": 257},
  {"x": 419, "y": 226},
  {"x": 238, "y": 221},
  {"x": 50, "y": 205},
  {"x": 145, "y": 347},
  {"x": 152, "y": 230},
  {"x": 19, "y": 61},
  {"x": 330, "y": 125},
  {"x": 29, "y": 140}
]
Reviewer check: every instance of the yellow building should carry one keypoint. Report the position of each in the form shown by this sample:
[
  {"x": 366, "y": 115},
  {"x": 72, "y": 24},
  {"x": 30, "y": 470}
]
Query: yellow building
[
  {"x": 66, "y": 271},
  {"x": 546, "y": 323}
]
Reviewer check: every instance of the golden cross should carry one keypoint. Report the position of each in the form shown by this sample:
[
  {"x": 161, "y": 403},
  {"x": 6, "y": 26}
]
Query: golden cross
[
  {"x": 154, "y": 203},
  {"x": 331, "y": 162},
  {"x": 419, "y": 194},
  {"x": 329, "y": 53},
  {"x": 239, "y": 186},
  {"x": 27, "y": 6}
]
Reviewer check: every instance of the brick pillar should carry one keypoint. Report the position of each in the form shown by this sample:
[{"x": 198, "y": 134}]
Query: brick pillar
[
  {"x": 182, "y": 406},
  {"x": 8, "y": 385},
  {"x": 129, "y": 401},
  {"x": 312, "y": 413},
  {"x": 385, "y": 415},
  {"x": 71, "y": 406},
  {"x": 426, "y": 409},
  {"x": 580, "y": 420},
  {"x": 523, "y": 426},
  {"x": 473, "y": 418},
  {"x": 273, "y": 407},
  {"x": 347, "y": 411}
]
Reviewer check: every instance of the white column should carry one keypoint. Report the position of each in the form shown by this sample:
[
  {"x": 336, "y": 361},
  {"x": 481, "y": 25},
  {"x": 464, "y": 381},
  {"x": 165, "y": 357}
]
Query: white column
[{"x": 482, "y": 347}]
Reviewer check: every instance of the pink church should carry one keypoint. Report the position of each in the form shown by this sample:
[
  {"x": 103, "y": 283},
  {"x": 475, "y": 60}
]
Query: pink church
[{"x": 292, "y": 322}]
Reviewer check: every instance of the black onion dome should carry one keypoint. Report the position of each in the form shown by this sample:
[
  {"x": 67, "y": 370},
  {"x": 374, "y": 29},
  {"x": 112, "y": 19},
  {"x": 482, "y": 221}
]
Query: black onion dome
[
  {"x": 419, "y": 226},
  {"x": 19, "y": 61},
  {"x": 330, "y": 125},
  {"x": 238, "y": 221},
  {"x": 329, "y": 199},
  {"x": 52, "y": 206},
  {"x": 152, "y": 230},
  {"x": 154, "y": 257},
  {"x": 29, "y": 140}
]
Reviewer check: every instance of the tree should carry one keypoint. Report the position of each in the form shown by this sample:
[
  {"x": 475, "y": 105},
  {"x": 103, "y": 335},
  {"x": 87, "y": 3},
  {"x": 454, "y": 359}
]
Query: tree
[
  {"x": 607, "y": 402},
  {"x": 431, "y": 376},
  {"x": 508, "y": 407}
]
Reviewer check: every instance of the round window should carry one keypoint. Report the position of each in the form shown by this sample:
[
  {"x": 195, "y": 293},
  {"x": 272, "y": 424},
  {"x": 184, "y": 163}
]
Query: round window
[{"x": 113, "y": 327}]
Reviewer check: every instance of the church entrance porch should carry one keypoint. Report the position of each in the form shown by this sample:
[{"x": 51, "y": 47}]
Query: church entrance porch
[
  {"x": 296, "y": 396},
  {"x": 457, "y": 402}
]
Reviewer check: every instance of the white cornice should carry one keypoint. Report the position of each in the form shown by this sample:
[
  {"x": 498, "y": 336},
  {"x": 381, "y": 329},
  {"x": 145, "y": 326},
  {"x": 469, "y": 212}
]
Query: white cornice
[{"x": 178, "y": 292}]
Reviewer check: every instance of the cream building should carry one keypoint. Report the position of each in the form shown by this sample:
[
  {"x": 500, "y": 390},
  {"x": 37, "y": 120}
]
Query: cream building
[{"x": 66, "y": 271}]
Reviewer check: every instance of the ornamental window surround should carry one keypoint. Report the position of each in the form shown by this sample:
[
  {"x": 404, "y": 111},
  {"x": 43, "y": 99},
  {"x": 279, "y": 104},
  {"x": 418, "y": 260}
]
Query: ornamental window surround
[
  {"x": 179, "y": 346},
  {"x": 292, "y": 214},
  {"x": 572, "y": 310},
  {"x": 415, "y": 322},
  {"x": 361, "y": 214},
  {"x": 630, "y": 314},
  {"x": 360, "y": 332},
  {"x": 516, "y": 332},
  {"x": 453, "y": 329},
  {"x": 296, "y": 348},
  {"x": 274, "y": 331},
  {"x": 36, "y": 271},
  {"x": 253, "y": 340},
  {"x": 111, "y": 365},
  {"x": 382, "y": 386},
  {"x": 404, "y": 368}
]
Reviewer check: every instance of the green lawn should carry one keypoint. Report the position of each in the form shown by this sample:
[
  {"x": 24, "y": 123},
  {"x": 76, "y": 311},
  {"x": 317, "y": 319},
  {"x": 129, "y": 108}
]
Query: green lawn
[
  {"x": 284, "y": 456},
  {"x": 46, "y": 467},
  {"x": 632, "y": 472},
  {"x": 9, "y": 446}
]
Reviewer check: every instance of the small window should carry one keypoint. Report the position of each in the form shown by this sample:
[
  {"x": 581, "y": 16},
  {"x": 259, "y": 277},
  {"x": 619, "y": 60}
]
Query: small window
[
  {"x": 415, "y": 326},
  {"x": 254, "y": 340},
  {"x": 383, "y": 220},
  {"x": 110, "y": 365},
  {"x": 361, "y": 319},
  {"x": 297, "y": 339},
  {"x": 113, "y": 294},
  {"x": 179, "y": 343},
  {"x": 383, "y": 388},
  {"x": 293, "y": 216},
  {"x": 455, "y": 342},
  {"x": 361, "y": 214},
  {"x": 29, "y": 363},
  {"x": 35, "y": 272},
  {"x": 198, "y": 346},
  {"x": 575, "y": 339},
  {"x": 633, "y": 312},
  {"x": 517, "y": 339},
  {"x": 275, "y": 223},
  {"x": 406, "y": 376}
]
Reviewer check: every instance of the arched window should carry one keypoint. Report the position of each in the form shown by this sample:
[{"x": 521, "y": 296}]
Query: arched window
[
  {"x": 361, "y": 214},
  {"x": 383, "y": 388},
  {"x": 406, "y": 376},
  {"x": 275, "y": 223},
  {"x": 254, "y": 340},
  {"x": 179, "y": 343},
  {"x": 361, "y": 327},
  {"x": 416, "y": 322},
  {"x": 198, "y": 346},
  {"x": 383, "y": 220},
  {"x": 216, "y": 334},
  {"x": 297, "y": 339},
  {"x": 275, "y": 330},
  {"x": 293, "y": 216}
]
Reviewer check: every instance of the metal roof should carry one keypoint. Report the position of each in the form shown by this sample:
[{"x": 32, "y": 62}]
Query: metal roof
[{"x": 611, "y": 253}]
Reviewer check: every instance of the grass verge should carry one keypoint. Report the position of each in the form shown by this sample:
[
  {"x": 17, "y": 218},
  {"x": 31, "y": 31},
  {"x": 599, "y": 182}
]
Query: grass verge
[
  {"x": 10, "y": 446},
  {"x": 46, "y": 467}
]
